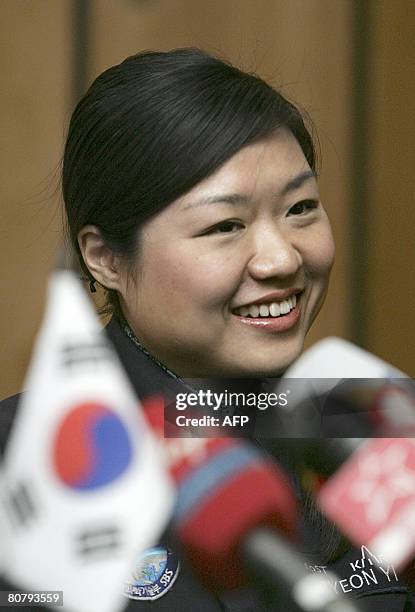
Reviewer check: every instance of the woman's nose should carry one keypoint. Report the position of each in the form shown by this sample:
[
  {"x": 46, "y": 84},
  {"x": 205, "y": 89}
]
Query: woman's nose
[{"x": 274, "y": 256}]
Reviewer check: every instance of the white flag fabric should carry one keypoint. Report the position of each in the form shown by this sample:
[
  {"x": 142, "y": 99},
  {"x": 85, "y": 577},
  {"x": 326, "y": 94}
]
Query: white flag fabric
[
  {"x": 83, "y": 486},
  {"x": 3, "y": 532}
]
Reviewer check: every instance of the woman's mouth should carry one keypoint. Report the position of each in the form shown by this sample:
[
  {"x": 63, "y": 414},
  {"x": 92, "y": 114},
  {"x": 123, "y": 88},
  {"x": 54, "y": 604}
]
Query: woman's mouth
[
  {"x": 274, "y": 309},
  {"x": 273, "y": 316}
]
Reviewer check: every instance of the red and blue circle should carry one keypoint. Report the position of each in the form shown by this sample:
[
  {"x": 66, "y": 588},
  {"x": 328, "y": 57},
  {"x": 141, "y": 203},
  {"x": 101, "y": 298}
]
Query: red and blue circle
[{"x": 92, "y": 447}]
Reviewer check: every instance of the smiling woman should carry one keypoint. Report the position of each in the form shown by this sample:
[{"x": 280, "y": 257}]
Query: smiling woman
[
  {"x": 191, "y": 196},
  {"x": 230, "y": 276}
]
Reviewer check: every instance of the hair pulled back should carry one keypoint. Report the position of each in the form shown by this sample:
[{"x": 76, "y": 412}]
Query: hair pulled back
[{"x": 152, "y": 127}]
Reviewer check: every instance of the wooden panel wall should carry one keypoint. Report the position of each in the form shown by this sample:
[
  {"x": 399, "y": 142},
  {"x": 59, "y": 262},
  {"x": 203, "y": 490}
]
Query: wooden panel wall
[
  {"x": 35, "y": 68},
  {"x": 391, "y": 159},
  {"x": 303, "y": 46}
]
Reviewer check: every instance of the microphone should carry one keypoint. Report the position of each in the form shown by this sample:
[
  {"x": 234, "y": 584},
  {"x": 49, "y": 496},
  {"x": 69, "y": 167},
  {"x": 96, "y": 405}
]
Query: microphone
[
  {"x": 370, "y": 494},
  {"x": 278, "y": 563},
  {"x": 341, "y": 374},
  {"x": 338, "y": 390},
  {"x": 235, "y": 510},
  {"x": 372, "y": 498},
  {"x": 383, "y": 405},
  {"x": 337, "y": 359},
  {"x": 351, "y": 413}
]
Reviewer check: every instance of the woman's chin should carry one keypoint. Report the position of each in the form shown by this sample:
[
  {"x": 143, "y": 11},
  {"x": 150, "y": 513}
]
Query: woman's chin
[
  {"x": 270, "y": 364},
  {"x": 273, "y": 367}
]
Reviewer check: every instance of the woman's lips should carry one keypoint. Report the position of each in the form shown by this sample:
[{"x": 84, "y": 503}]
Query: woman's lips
[{"x": 275, "y": 324}]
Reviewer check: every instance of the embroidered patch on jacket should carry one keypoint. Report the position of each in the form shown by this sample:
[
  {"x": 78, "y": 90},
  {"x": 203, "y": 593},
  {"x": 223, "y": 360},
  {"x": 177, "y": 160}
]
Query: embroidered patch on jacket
[{"x": 154, "y": 573}]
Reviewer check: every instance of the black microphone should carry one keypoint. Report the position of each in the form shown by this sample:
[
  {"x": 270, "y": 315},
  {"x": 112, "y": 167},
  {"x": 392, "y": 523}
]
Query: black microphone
[{"x": 280, "y": 565}]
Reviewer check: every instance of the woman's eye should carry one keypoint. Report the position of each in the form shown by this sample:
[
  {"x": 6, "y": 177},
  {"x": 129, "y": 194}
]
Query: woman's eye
[
  {"x": 225, "y": 227},
  {"x": 303, "y": 207}
]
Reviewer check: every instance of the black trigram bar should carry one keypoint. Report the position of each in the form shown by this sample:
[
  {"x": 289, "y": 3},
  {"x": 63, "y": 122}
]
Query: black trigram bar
[
  {"x": 94, "y": 352},
  {"x": 99, "y": 541},
  {"x": 20, "y": 504}
]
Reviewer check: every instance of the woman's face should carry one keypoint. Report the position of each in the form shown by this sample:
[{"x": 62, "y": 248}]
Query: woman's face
[{"x": 230, "y": 276}]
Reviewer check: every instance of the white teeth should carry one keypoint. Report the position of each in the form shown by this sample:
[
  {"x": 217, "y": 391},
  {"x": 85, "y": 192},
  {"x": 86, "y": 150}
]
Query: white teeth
[
  {"x": 274, "y": 310},
  {"x": 285, "y": 307},
  {"x": 264, "y": 310},
  {"x": 254, "y": 311}
]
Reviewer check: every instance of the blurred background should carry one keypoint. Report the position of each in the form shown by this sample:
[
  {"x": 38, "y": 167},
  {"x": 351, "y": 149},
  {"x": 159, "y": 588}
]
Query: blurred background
[{"x": 349, "y": 63}]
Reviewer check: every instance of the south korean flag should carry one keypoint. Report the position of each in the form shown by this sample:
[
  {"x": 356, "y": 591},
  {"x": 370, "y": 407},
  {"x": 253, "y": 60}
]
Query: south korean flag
[{"x": 83, "y": 490}]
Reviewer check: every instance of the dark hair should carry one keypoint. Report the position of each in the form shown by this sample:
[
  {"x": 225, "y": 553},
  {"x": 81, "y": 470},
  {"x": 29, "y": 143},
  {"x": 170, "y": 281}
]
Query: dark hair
[{"x": 151, "y": 128}]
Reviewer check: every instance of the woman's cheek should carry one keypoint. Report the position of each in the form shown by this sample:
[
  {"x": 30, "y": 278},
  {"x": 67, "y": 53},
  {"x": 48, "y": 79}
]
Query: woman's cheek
[
  {"x": 214, "y": 276},
  {"x": 321, "y": 252}
]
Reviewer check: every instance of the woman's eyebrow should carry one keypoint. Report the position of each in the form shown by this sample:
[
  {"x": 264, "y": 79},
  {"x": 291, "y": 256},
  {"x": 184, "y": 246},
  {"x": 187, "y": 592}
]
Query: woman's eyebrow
[
  {"x": 224, "y": 198},
  {"x": 297, "y": 181},
  {"x": 237, "y": 198}
]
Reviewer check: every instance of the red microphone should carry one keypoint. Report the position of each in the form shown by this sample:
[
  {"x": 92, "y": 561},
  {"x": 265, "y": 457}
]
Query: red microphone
[
  {"x": 225, "y": 486},
  {"x": 235, "y": 509}
]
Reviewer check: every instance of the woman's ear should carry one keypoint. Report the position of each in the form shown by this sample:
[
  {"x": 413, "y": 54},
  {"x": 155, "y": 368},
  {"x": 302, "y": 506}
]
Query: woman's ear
[{"x": 98, "y": 257}]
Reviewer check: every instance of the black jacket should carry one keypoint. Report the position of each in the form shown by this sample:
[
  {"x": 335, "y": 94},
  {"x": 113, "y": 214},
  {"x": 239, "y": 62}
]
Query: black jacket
[{"x": 376, "y": 590}]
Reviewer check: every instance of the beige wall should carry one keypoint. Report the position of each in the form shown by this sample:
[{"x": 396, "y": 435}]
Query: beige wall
[
  {"x": 304, "y": 46},
  {"x": 391, "y": 199},
  {"x": 34, "y": 63}
]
